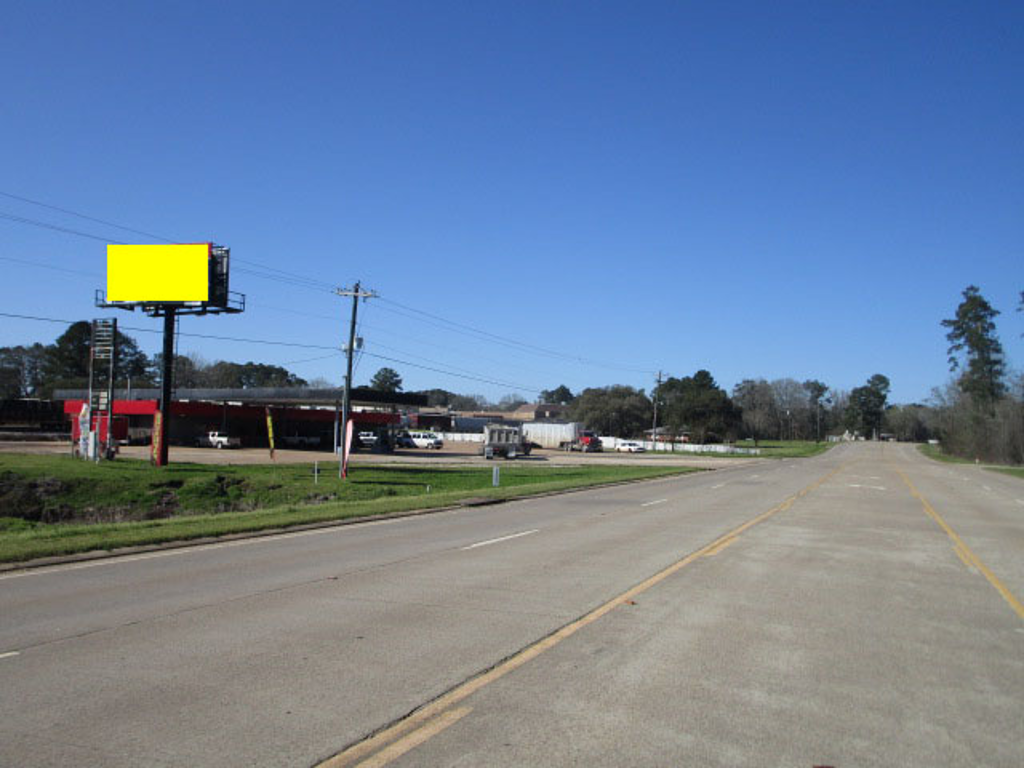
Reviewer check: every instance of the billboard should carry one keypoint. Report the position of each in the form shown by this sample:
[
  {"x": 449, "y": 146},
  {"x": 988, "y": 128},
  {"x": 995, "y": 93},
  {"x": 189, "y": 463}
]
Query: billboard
[{"x": 159, "y": 273}]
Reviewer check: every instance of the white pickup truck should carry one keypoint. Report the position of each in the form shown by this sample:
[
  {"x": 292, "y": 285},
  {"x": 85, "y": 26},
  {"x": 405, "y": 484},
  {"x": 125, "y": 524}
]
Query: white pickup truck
[{"x": 218, "y": 440}]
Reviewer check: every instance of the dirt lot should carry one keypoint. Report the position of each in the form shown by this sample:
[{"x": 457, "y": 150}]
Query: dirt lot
[{"x": 452, "y": 453}]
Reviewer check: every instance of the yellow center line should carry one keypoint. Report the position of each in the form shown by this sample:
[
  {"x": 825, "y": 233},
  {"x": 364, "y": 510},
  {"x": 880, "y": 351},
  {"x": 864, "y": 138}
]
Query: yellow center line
[
  {"x": 414, "y": 739},
  {"x": 963, "y": 557},
  {"x": 719, "y": 547},
  {"x": 963, "y": 551},
  {"x": 438, "y": 706}
]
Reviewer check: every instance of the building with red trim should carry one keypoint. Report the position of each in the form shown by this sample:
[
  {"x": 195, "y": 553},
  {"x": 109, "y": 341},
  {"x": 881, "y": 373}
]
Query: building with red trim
[{"x": 301, "y": 416}]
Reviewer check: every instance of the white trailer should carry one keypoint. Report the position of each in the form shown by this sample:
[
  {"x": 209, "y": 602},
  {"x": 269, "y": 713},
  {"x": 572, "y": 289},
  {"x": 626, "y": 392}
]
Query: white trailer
[
  {"x": 564, "y": 437},
  {"x": 552, "y": 435}
]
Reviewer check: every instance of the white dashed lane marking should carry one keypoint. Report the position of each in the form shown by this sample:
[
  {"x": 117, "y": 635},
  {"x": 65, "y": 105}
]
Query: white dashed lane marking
[{"x": 500, "y": 538}]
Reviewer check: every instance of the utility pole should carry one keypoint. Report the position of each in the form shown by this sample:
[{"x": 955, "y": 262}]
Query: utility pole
[
  {"x": 654, "y": 425},
  {"x": 346, "y": 406}
]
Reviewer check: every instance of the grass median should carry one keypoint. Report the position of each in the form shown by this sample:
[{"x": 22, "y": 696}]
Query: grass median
[{"x": 55, "y": 505}]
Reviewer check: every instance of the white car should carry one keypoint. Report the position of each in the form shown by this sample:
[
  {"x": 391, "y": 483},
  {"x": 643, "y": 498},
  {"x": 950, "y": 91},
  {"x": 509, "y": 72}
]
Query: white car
[
  {"x": 218, "y": 440},
  {"x": 426, "y": 440},
  {"x": 630, "y": 446}
]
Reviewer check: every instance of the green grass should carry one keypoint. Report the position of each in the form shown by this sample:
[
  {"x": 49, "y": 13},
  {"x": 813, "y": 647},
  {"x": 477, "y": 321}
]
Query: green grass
[
  {"x": 57, "y": 505},
  {"x": 935, "y": 452},
  {"x": 788, "y": 449}
]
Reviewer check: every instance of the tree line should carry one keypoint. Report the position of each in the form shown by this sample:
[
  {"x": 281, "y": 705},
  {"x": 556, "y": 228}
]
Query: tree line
[
  {"x": 693, "y": 405},
  {"x": 37, "y": 370},
  {"x": 699, "y": 409},
  {"x": 980, "y": 414},
  {"x": 977, "y": 415}
]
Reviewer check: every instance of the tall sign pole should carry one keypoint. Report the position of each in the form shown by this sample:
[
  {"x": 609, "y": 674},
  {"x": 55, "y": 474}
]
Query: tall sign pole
[
  {"x": 136, "y": 279},
  {"x": 166, "y": 387},
  {"x": 356, "y": 293}
]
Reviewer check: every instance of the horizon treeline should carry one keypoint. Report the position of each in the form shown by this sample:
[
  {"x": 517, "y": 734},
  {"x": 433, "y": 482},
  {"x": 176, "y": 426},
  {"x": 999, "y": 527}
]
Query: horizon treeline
[{"x": 977, "y": 415}]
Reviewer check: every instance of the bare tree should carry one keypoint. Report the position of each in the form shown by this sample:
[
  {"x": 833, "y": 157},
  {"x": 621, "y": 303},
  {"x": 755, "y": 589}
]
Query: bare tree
[
  {"x": 756, "y": 398},
  {"x": 792, "y": 409}
]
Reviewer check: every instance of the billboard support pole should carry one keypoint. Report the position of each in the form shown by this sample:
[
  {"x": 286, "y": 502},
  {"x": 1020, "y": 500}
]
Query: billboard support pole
[
  {"x": 135, "y": 269},
  {"x": 166, "y": 382}
]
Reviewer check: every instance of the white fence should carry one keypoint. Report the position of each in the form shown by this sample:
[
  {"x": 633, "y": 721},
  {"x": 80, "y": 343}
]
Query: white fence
[
  {"x": 610, "y": 444},
  {"x": 461, "y": 437}
]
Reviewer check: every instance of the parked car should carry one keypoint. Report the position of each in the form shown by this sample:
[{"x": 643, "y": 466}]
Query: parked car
[
  {"x": 630, "y": 446},
  {"x": 218, "y": 440},
  {"x": 367, "y": 439},
  {"x": 404, "y": 440},
  {"x": 426, "y": 440}
]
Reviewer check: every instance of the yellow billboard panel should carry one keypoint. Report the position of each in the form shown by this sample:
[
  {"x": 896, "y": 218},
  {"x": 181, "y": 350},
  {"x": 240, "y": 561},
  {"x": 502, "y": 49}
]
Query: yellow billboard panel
[{"x": 158, "y": 272}]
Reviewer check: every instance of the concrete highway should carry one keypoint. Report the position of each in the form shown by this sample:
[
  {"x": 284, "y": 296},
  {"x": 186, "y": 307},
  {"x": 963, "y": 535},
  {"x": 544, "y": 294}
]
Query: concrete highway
[{"x": 857, "y": 609}]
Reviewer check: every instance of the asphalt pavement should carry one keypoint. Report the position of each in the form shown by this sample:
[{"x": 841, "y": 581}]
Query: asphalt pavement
[{"x": 859, "y": 608}]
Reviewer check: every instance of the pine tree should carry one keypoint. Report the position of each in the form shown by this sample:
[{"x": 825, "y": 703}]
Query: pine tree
[{"x": 972, "y": 334}]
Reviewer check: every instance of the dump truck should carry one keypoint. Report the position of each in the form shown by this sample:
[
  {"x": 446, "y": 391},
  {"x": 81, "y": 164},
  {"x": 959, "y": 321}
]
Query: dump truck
[{"x": 504, "y": 440}]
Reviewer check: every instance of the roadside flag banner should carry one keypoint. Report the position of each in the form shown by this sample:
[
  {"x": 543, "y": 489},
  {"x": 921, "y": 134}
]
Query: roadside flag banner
[
  {"x": 270, "y": 433},
  {"x": 84, "y": 423},
  {"x": 158, "y": 428},
  {"x": 348, "y": 446}
]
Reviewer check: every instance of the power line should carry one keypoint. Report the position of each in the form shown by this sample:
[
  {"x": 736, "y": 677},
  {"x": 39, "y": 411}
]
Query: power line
[
  {"x": 294, "y": 281},
  {"x": 48, "y": 266},
  {"x": 378, "y": 345},
  {"x": 308, "y": 282},
  {"x": 54, "y": 227},
  {"x": 289, "y": 278},
  {"x": 310, "y": 359},
  {"x": 84, "y": 216},
  {"x": 451, "y": 373},
  {"x": 513, "y": 343},
  {"x": 270, "y": 342},
  {"x": 391, "y": 332}
]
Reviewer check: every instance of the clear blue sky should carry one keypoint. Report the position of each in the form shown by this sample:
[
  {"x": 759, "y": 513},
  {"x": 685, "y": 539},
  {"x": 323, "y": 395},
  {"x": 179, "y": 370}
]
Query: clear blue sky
[{"x": 759, "y": 189}]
